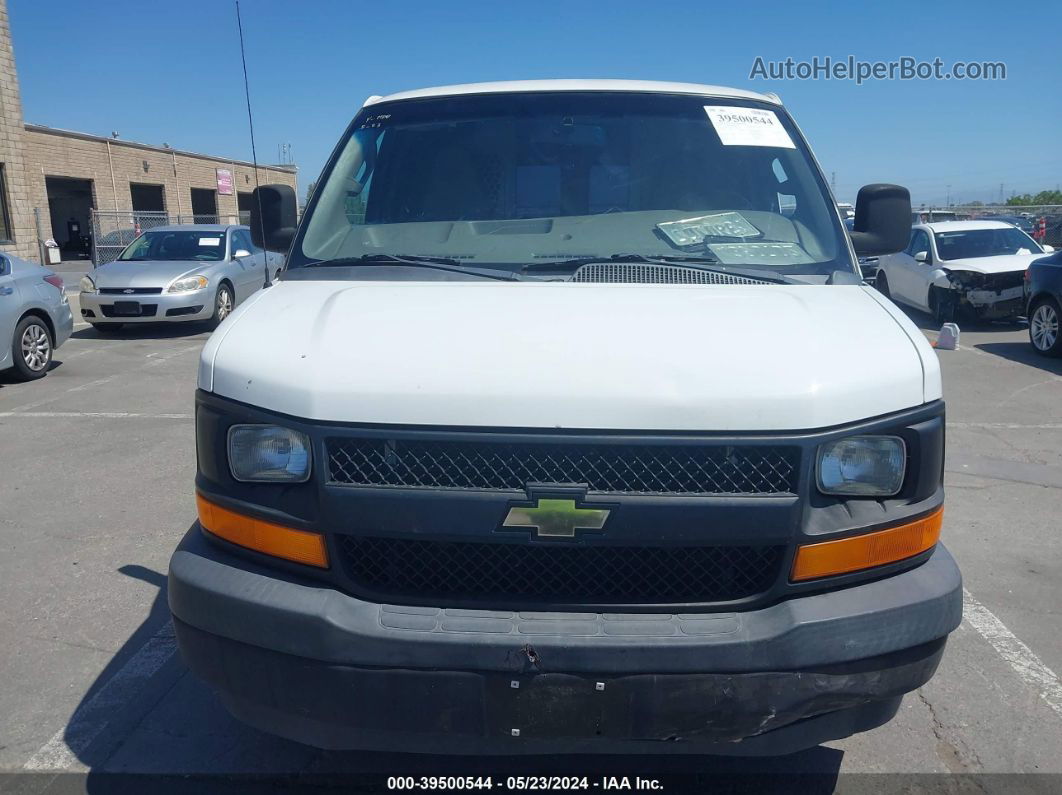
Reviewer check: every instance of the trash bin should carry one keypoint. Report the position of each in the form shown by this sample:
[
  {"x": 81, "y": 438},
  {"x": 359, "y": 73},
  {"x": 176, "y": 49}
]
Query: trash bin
[{"x": 52, "y": 249}]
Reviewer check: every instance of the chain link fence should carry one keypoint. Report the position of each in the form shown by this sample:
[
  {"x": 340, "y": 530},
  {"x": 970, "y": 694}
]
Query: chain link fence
[{"x": 113, "y": 230}]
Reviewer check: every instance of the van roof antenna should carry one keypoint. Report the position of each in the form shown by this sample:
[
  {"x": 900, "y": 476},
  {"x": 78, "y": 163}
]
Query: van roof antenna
[{"x": 250, "y": 124}]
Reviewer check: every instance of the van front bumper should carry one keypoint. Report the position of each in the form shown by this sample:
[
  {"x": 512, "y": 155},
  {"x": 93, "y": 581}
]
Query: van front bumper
[{"x": 308, "y": 662}]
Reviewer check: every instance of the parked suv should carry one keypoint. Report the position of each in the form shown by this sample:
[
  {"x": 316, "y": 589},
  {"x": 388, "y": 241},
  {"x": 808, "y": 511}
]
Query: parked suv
[{"x": 570, "y": 427}]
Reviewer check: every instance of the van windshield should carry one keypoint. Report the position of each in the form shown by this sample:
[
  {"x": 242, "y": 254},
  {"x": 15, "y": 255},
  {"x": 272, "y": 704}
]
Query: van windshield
[{"x": 510, "y": 180}]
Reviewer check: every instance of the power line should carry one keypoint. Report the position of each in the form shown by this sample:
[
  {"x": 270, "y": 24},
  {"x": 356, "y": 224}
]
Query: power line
[{"x": 250, "y": 124}]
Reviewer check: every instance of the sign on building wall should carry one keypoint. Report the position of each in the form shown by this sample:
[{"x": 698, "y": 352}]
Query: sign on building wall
[{"x": 225, "y": 183}]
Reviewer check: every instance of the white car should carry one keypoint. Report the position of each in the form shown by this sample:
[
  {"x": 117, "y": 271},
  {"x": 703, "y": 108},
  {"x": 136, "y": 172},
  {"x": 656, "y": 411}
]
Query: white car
[
  {"x": 570, "y": 427},
  {"x": 951, "y": 269}
]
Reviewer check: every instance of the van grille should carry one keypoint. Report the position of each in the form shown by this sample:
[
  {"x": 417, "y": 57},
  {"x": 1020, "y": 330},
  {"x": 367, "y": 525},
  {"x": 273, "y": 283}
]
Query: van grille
[
  {"x": 558, "y": 574},
  {"x": 601, "y": 468}
]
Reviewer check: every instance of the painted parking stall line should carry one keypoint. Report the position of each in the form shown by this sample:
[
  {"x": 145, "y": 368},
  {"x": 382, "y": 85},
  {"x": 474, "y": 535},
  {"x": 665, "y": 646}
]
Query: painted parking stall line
[
  {"x": 153, "y": 359},
  {"x": 103, "y": 415},
  {"x": 62, "y": 751},
  {"x": 1026, "y": 664}
]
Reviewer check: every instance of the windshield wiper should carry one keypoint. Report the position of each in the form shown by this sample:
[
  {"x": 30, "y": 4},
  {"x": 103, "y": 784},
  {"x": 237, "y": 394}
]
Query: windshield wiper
[
  {"x": 417, "y": 261},
  {"x": 703, "y": 262}
]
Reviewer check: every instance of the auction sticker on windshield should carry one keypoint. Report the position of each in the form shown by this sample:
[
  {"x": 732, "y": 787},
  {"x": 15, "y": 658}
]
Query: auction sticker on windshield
[
  {"x": 760, "y": 254},
  {"x": 210, "y": 241},
  {"x": 691, "y": 231},
  {"x": 748, "y": 127}
]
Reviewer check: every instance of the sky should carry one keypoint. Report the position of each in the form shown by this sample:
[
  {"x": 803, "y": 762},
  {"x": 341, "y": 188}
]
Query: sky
[{"x": 171, "y": 72}]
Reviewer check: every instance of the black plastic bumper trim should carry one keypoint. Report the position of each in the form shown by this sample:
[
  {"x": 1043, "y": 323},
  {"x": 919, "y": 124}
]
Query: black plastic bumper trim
[
  {"x": 224, "y": 594},
  {"x": 354, "y": 707}
]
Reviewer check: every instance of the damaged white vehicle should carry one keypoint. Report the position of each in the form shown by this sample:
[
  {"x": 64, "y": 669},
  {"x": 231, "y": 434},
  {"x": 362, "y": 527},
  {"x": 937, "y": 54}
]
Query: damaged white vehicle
[{"x": 952, "y": 269}]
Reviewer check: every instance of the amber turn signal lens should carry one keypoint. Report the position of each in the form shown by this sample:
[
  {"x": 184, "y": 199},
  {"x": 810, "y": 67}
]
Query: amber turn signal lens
[
  {"x": 869, "y": 550},
  {"x": 277, "y": 540}
]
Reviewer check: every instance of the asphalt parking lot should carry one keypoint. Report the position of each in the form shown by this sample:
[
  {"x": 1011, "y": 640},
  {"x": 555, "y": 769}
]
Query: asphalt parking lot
[{"x": 96, "y": 489}]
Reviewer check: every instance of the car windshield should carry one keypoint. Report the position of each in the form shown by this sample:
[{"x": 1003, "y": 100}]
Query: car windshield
[
  {"x": 183, "y": 244},
  {"x": 511, "y": 180},
  {"x": 971, "y": 243}
]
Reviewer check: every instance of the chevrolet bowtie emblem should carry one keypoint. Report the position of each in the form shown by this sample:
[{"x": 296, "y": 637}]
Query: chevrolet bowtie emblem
[{"x": 556, "y": 518}]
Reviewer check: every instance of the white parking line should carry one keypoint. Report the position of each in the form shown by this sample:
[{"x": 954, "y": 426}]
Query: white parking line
[
  {"x": 44, "y": 401},
  {"x": 1007, "y": 426},
  {"x": 1019, "y": 656},
  {"x": 153, "y": 359},
  {"x": 105, "y": 415},
  {"x": 91, "y": 718}
]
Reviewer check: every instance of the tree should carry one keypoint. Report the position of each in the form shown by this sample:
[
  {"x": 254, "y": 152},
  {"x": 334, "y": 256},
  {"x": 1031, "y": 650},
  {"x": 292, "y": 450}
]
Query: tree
[
  {"x": 309, "y": 190},
  {"x": 1043, "y": 197}
]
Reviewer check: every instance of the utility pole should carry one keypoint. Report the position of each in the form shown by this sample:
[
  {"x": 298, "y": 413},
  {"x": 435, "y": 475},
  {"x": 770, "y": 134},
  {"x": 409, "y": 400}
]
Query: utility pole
[{"x": 833, "y": 182}]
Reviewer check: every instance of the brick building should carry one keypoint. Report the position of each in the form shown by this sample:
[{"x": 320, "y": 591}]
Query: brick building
[{"x": 64, "y": 174}]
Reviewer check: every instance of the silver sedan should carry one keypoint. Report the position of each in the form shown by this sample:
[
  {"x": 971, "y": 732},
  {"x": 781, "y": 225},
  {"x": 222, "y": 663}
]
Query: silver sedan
[
  {"x": 177, "y": 274},
  {"x": 35, "y": 317}
]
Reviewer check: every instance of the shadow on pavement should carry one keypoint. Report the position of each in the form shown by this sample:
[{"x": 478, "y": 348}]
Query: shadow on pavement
[
  {"x": 926, "y": 322},
  {"x": 171, "y": 735},
  {"x": 7, "y": 377},
  {"x": 144, "y": 331},
  {"x": 1023, "y": 353}
]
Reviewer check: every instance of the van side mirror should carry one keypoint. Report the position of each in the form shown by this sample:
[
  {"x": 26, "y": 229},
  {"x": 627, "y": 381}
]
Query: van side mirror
[
  {"x": 882, "y": 220},
  {"x": 922, "y": 256},
  {"x": 274, "y": 217}
]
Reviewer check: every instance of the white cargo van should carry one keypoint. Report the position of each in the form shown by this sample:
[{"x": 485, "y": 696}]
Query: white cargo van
[{"x": 569, "y": 427}]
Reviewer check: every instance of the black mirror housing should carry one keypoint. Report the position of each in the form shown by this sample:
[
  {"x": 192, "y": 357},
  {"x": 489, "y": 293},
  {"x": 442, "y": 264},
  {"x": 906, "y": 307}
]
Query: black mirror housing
[
  {"x": 882, "y": 220},
  {"x": 274, "y": 217}
]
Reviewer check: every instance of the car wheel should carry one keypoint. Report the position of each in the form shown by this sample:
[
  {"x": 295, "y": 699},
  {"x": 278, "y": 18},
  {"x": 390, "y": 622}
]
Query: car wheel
[
  {"x": 31, "y": 350},
  {"x": 881, "y": 283},
  {"x": 1043, "y": 327},
  {"x": 106, "y": 328},
  {"x": 224, "y": 301}
]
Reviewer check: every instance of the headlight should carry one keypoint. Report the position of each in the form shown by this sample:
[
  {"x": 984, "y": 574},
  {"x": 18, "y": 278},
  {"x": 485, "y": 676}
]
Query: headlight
[
  {"x": 87, "y": 285},
  {"x": 188, "y": 284},
  {"x": 862, "y": 466},
  {"x": 269, "y": 454}
]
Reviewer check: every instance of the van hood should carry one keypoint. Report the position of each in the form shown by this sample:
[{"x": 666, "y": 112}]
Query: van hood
[
  {"x": 563, "y": 355},
  {"x": 1004, "y": 263}
]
